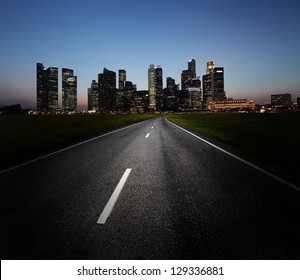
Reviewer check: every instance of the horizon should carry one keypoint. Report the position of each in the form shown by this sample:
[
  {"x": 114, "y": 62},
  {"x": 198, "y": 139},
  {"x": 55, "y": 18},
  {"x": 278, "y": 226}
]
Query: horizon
[{"x": 255, "y": 42}]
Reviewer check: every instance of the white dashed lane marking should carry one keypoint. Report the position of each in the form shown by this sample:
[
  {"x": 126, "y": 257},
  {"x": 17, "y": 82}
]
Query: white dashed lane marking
[{"x": 113, "y": 199}]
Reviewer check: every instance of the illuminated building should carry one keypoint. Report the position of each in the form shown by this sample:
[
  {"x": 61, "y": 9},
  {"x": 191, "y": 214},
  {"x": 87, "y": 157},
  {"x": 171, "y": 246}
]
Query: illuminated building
[
  {"x": 194, "y": 91},
  {"x": 141, "y": 100},
  {"x": 194, "y": 99},
  {"x": 107, "y": 90},
  {"x": 47, "y": 88},
  {"x": 41, "y": 91},
  {"x": 159, "y": 92},
  {"x": 192, "y": 67},
  {"x": 213, "y": 84},
  {"x": 218, "y": 92},
  {"x": 232, "y": 104},
  {"x": 171, "y": 94},
  {"x": 186, "y": 79},
  {"x": 69, "y": 90},
  {"x": 151, "y": 87},
  {"x": 188, "y": 75},
  {"x": 207, "y": 89},
  {"x": 210, "y": 67},
  {"x": 93, "y": 97},
  {"x": 122, "y": 79},
  {"x": 120, "y": 91},
  {"x": 182, "y": 100},
  {"x": 281, "y": 100},
  {"x": 129, "y": 93}
]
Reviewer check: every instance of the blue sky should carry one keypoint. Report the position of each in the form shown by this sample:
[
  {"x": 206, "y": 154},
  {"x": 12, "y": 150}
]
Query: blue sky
[{"x": 257, "y": 43}]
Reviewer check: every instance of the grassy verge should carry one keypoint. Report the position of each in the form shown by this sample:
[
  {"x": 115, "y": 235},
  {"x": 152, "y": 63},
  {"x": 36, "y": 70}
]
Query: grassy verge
[
  {"x": 273, "y": 139},
  {"x": 23, "y": 136}
]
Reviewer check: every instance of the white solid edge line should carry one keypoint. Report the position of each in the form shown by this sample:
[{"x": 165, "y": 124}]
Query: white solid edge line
[
  {"x": 113, "y": 199},
  {"x": 67, "y": 148},
  {"x": 147, "y": 135},
  {"x": 240, "y": 159}
]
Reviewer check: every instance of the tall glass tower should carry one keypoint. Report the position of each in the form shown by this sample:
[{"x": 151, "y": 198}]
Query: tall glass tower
[
  {"x": 213, "y": 84},
  {"x": 151, "y": 87},
  {"x": 69, "y": 90},
  {"x": 47, "y": 88},
  {"x": 93, "y": 97},
  {"x": 188, "y": 75},
  {"x": 192, "y": 67},
  {"x": 107, "y": 90},
  {"x": 218, "y": 84},
  {"x": 52, "y": 85},
  {"x": 41, "y": 91},
  {"x": 159, "y": 92},
  {"x": 122, "y": 79}
]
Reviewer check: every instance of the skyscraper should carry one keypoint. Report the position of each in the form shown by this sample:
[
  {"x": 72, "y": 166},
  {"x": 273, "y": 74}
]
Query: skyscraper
[
  {"x": 121, "y": 90},
  {"x": 47, "y": 88},
  {"x": 128, "y": 96},
  {"x": 192, "y": 67},
  {"x": 188, "y": 75},
  {"x": 171, "y": 94},
  {"x": 207, "y": 89},
  {"x": 159, "y": 92},
  {"x": 218, "y": 84},
  {"x": 186, "y": 79},
  {"x": 210, "y": 67},
  {"x": 158, "y": 79},
  {"x": 52, "y": 86},
  {"x": 107, "y": 90},
  {"x": 122, "y": 79},
  {"x": 41, "y": 90},
  {"x": 69, "y": 90},
  {"x": 194, "y": 91},
  {"x": 93, "y": 97},
  {"x": 151, "y": 87},
  {"x": 213, "y": 84}
]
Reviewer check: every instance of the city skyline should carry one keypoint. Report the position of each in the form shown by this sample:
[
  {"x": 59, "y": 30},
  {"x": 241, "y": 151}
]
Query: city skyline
[{"x": 256, "y": 42}]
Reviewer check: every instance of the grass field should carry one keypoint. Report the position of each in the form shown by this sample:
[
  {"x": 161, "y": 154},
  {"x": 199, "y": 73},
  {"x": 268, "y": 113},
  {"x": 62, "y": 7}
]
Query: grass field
[
  {"x": 25, "y": 136},
  {"x": 273, "y": 139}
]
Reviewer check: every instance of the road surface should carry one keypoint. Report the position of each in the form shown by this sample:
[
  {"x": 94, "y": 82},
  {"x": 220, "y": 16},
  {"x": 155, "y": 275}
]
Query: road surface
[{"x": 150, "y": 191}]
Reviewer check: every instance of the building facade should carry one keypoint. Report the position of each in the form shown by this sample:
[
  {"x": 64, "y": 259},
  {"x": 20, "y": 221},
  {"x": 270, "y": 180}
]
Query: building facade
[
  {"x": 210, "y": 65},
  {"x": 192, "y": 67},
  {"x": 159, "y": 92},
  {"x": 218, "y": 93},
  {"x": 195, "y": 100},
  {"x": 107, "y": 91},
  {"x": 47, "y": 88},
  {"x": 171, "y": 94},
  {"x": 213, "y": 84},
  {"x": 207, "y": 89},
  {"x": 151, "y": 87},
  {"x": 93, "y": 97},
  {"x": 232, "y": 104},
  {"x": 281, "y": 100},
  {"x": 122, "y": 79},
  {"x": 69, "y": 90},
  {"x": 186, "y": 79},
  {"x": 188, "y": 75}
]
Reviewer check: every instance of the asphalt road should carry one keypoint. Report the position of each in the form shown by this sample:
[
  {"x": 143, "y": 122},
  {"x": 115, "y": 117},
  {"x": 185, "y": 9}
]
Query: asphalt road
[{"x": 180, "y": 198}]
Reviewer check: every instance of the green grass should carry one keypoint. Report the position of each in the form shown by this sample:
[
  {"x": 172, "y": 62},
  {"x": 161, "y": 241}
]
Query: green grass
[
  {"x": 23, "y": 136},
  {"x": 271, "y": 138}
]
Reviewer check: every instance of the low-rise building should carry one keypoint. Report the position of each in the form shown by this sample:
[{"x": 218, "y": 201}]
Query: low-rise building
[
  {"x": 281, "y": 100},
  {"x": 232, "y": 104}
]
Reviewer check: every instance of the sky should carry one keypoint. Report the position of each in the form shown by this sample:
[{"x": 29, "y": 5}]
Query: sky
[{"x": 257, "y": 43}]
